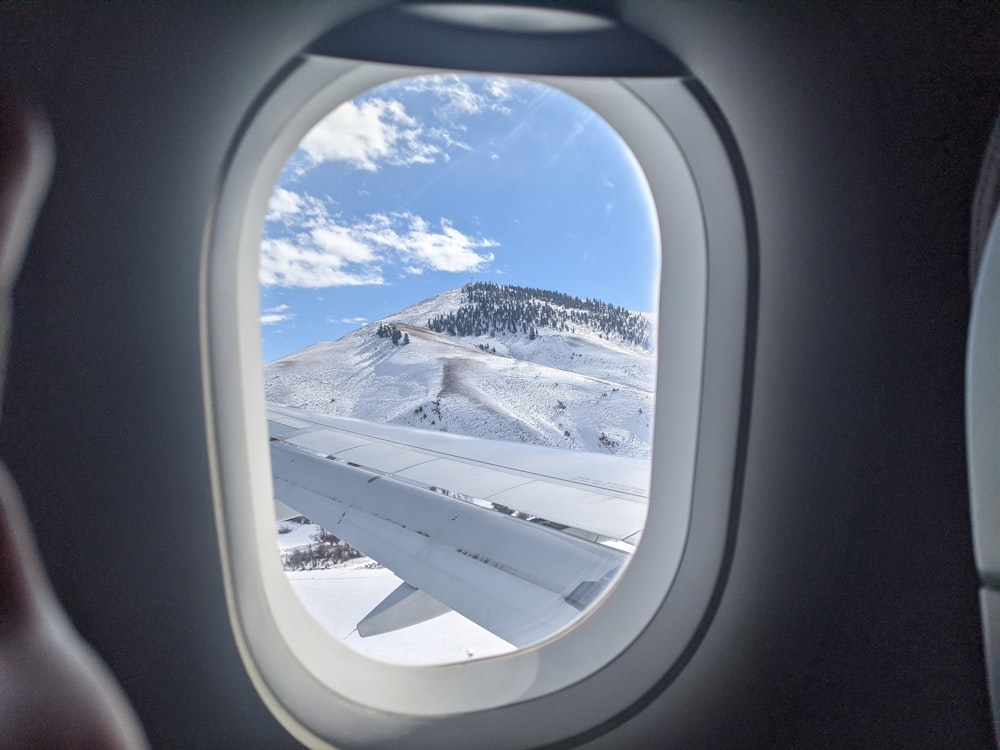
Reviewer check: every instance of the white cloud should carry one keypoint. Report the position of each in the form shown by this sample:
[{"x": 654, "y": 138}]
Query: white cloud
[
  {"x": 499, "y": 88},
  {"x": 319, "y": 253},
  {"x": 351, "y": 321},
  {"x": 370, "y": 133},
  {"x": 461, "y": 98},
  {"x": 367, "y": 135},
  {"x": 446, "y": 249},
  {"x": 340, "y": 246},
  {"x": 276, "y": 309},
  {"x": 283, "y": 203},
  {"x": 289, "y": 208},
  {"x": 286, "y": 262},
  {"x": 321, "y": 250},
  {"x": 270, "y": 320},
  {"x": 445, "y": 137}
]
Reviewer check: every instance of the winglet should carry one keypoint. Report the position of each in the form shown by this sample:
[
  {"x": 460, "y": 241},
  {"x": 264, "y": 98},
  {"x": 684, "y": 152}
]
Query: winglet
[{"x": 405, "y": 606}]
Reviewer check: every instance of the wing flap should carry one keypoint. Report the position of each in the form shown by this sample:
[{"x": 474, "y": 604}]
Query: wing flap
[
  {"x": 616, "y": 474},
  {"x": 520, "y": 580},
  {"x": 600, "y": 494},
  {"x": 465, "y": 478}
]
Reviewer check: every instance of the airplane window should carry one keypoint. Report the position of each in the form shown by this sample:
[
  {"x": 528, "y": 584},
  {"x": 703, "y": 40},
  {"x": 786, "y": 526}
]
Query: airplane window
[
  {"x": 437, "y": 308},
  {"x": 458, "y": 283}
]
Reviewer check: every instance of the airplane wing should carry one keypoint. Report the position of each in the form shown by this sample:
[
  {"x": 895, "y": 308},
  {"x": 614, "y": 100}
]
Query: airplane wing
[{"x": 425, "y": 505}]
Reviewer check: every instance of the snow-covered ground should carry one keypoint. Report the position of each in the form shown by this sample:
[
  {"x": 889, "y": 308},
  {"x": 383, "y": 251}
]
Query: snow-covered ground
[
  {"x": 340, "y": 596},
  {"x": 573, "y": 389}
]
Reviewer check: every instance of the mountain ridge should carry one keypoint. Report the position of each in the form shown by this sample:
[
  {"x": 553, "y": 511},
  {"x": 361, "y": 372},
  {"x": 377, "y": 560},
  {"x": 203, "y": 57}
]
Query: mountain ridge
[{"x": 585, "y": 389}]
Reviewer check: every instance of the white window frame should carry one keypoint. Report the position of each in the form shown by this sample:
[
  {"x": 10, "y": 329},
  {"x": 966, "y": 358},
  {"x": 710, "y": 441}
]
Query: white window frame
[{"x": 324, "y": 691}]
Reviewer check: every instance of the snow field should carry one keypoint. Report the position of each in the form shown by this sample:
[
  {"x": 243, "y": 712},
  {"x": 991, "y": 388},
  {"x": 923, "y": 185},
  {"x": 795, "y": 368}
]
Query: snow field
[
  {"x": 561, "y": 389},
  {"x": 338, "y": 597},
  {"x": 566, "y": 389}
]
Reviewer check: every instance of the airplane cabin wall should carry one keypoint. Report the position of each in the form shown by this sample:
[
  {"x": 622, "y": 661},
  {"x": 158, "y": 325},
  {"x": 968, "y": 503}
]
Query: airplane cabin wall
[
  {"x": 103, "y": 421},
  {"x": 849, "y": 617}
]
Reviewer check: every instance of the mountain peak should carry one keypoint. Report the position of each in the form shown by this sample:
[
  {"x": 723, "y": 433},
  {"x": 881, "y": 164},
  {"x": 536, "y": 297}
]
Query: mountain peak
[
  {"x": 495, "y": 310},
  {"x": 489, "y": 360}
]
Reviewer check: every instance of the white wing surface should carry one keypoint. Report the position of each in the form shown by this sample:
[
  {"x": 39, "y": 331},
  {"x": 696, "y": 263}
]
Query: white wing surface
[{"x": 424, "y": 504}]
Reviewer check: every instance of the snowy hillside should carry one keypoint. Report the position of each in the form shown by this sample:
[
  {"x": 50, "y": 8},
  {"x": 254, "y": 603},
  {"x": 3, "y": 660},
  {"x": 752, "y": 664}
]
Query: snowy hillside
[
  {"x": 339, "y": 596},
  {"x": 555, "y": 371}
]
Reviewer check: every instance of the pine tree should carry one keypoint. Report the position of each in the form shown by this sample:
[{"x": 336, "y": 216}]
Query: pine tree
[{"x": 490, "y": 308}]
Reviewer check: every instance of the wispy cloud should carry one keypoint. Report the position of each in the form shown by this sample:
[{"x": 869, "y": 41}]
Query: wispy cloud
[
  {"x": 277, "y": 314},
  {"x": 464, "y": 96},
  {"x": 316, "y": 249},
  {"x": 369, "y": 134},
  {"x": 350, "y": 321},
  {"x": 422, "y": 246},
  {"x": 311, "y": 249},
  {"x": 272, "y": 319},
  {"x": 578, "y": 128},
  {"x": 293, "y": 209},
  {"x": 299, "y": 263},
  {"x": 283, "y": 203}
]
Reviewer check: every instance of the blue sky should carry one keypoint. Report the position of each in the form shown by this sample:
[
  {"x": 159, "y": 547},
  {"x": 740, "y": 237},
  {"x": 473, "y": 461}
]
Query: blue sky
[{"x": 425, "y": 184}]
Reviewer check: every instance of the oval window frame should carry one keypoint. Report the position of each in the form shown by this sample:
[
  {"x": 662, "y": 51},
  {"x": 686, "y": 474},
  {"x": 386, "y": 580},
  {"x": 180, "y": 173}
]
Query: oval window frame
[{"x": 658, "y": 604}]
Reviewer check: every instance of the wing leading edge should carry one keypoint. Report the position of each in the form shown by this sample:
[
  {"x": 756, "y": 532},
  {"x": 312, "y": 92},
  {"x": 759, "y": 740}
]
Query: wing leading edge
[{"x": 522, "y": 580}]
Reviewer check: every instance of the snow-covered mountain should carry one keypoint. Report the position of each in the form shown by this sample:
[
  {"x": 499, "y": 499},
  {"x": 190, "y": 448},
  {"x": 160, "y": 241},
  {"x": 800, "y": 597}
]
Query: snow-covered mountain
[{"x": 505, "y": 363}]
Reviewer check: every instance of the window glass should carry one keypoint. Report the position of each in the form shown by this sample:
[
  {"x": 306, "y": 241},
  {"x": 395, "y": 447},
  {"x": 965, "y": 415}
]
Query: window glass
[{"x": 458, "y": 292}]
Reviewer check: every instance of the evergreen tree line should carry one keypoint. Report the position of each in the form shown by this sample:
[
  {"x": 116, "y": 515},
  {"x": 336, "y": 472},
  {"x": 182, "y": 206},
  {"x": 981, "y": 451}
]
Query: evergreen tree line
[
  {"x": 386, "y": 331},
  {"x": 498, "y": 310},
  {"x": 326, "y": 552}
]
